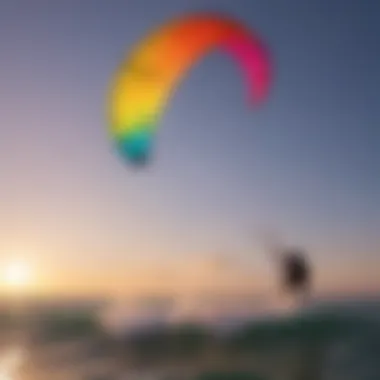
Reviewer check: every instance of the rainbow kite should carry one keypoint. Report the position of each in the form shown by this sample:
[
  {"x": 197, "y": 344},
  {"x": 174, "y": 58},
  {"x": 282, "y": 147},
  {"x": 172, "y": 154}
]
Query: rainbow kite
[{"x": 147, "y": 77}]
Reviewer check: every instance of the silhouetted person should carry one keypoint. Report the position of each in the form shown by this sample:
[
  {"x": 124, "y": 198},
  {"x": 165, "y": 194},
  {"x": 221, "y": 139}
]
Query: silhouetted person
[{"x": 296, "y": 274}]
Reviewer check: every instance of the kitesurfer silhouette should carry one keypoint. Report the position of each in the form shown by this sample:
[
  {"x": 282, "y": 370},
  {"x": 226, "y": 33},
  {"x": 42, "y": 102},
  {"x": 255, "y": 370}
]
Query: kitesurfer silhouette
[
  {"x": 294, "y": 270},
  {"x": 296, "y": 274}
]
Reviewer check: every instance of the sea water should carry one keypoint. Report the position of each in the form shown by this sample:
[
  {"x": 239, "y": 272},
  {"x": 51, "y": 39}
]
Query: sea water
[{"x": 341, "y": 341}]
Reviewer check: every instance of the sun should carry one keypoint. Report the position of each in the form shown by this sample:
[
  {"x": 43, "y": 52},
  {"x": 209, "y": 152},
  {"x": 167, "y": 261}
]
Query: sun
[{"x": 17, "y": 274}]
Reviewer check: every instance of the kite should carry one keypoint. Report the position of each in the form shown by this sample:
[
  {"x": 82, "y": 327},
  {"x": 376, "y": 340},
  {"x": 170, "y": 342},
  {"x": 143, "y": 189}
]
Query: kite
[{"x": 150, "y": 73}]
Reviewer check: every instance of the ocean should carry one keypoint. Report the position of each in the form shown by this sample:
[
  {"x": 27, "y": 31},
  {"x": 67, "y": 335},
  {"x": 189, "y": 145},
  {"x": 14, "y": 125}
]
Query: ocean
[{"x": 329, "y": 341}]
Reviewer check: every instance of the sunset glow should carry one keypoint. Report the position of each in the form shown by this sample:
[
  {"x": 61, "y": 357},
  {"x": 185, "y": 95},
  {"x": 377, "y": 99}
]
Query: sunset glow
[{"x": 17, "y": 274}]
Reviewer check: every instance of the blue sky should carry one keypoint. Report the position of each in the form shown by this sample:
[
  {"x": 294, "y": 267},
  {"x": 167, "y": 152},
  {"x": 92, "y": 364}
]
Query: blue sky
[{"x": 306, "y": 164}]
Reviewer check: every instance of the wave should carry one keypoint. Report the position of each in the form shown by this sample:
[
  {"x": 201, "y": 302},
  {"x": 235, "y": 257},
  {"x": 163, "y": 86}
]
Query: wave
[{"x": 335, "y": 340}]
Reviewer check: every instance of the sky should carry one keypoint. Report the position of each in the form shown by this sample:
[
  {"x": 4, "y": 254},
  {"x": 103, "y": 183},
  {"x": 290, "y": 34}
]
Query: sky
[{"x": 305, "y": 165}]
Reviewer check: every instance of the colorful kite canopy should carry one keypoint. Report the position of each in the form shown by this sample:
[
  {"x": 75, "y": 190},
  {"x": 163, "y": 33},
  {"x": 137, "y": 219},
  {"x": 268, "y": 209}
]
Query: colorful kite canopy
[{"x": 147, "y": 77}]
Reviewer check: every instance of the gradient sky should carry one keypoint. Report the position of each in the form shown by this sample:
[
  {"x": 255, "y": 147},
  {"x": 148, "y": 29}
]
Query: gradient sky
[{"x": 306, "y": 165}]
